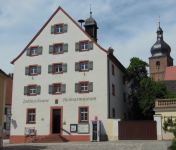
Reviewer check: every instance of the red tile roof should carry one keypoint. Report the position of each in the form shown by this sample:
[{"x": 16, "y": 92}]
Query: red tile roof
[
  {"x": 59, "y": 8},
  {"x": 170, "y": 73}
]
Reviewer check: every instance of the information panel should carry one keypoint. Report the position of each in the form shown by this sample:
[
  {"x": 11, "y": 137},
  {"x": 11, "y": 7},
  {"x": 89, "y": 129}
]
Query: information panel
[{"x": 83, "y": 128}]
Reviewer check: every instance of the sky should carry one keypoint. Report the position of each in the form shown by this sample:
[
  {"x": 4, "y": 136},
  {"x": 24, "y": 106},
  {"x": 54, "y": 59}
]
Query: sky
[{"x": 128, "y": 26}]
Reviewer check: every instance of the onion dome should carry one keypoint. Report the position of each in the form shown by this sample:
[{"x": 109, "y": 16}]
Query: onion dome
[{"x": 160, "y": 48}]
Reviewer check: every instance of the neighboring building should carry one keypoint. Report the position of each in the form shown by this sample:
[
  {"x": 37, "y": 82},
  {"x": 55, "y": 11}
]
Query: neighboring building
[
  {"x": 3, "y": 79},
  {"x": 8, "y": 102},
  {"x": 64, "y": 77}
]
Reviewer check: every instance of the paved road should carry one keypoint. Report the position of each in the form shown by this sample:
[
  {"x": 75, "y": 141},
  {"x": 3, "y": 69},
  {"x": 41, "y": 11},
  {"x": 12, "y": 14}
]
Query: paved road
[{"x": 118, "y": 145}]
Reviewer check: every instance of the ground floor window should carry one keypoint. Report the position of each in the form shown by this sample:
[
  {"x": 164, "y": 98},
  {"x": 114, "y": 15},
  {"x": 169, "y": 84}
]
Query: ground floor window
[
  {"x": 84, "y": 114},
  {"x": 31, "y": 115}
]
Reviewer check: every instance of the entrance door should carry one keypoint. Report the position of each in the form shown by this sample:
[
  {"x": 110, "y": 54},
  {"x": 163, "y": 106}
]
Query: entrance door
[{"x": 56, "y": 121}]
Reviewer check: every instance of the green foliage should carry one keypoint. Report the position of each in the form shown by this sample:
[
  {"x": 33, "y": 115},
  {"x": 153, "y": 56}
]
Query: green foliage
[
  {"x": 173, "y": 146},
  {"x": 170, "y": 123}
]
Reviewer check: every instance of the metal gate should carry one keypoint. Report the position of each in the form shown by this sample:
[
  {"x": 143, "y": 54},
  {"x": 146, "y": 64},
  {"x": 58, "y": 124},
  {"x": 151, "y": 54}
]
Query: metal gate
[{"x": 137, "y": 130}]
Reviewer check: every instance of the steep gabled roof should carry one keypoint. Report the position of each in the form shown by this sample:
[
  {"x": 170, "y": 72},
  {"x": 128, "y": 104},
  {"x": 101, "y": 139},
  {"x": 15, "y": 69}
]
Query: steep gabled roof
[
  {"x": 59, "y": 8},
  {"x": 170, "y": 73}
]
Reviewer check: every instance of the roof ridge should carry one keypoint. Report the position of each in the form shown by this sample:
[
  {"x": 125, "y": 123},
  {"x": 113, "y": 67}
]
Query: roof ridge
[{"x": 59, "y": 8}]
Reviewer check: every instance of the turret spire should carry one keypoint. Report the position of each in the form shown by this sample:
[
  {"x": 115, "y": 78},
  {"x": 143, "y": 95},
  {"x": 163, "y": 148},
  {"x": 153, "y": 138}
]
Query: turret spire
[{"x": 90, "y": 12}]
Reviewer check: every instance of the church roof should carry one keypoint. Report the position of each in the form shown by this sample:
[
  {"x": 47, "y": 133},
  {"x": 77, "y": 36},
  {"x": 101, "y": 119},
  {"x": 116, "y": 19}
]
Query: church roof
[
  {"x": 170, "y": 73},
  {"x": 160, "y": 48},
  {"x": 59, "y": 8}
]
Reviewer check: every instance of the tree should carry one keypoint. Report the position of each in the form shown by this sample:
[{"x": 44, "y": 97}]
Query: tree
[{"x": 135, "y": 72}]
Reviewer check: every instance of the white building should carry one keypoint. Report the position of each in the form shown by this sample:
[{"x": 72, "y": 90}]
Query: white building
[{"x": 64, "y": 77}]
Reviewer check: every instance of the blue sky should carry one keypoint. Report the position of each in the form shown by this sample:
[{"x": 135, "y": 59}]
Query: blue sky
[{"x": 128, "y": 26}]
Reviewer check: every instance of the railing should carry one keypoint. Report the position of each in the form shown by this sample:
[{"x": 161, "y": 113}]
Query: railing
[
  {"x": 66, "y": 131},
  {"x": 165, "y": 103}
]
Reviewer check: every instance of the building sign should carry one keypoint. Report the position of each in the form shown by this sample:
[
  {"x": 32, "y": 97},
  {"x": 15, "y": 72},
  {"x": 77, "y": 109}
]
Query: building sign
[
  {"x": 79, "y": 99},
  {"x": 35, "y": 101},
  {"x": 83, "y": 128},
  {"x": 29, "y": 130},
  {"x": 73, "y": 127}
]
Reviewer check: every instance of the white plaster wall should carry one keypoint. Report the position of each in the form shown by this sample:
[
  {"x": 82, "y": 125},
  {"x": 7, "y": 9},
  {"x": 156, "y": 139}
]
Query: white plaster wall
[
  {"x": 98, "y": 76},
  {"x": 117, "y": 101}
]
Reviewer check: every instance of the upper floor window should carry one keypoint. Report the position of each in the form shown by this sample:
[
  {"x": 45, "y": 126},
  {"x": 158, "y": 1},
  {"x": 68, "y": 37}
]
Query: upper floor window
[
  {"x": 58, "y": 49},
  {"x": 113, "y": 70},
  {"x": 57, "y": 88},
  {"x": 84, "y": 87},
  {"x": 59, "y": 29},
  {"x": 157, "y": 65},
  {"x": 32, "y": 90},
  {"x": 57, "y": 68},
  {"x": 33, "y": 70},
  {"x": 82, "y": 46},
  {"x": 84, "y": 65},
  {"x": 113, "y": 89},
  {"x": 34, "y": 50}
]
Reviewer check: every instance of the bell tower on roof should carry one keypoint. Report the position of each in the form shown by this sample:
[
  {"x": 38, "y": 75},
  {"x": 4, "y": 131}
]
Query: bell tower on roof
[
  {"x": 160, "y": 58},
  {"x": 91, "y": 27}
]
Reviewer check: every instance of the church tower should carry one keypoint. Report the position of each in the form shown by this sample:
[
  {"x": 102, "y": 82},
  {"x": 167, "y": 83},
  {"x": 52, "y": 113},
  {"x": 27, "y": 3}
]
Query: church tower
[
  {"x": 91, "y": 27},
  {"x": 160, "y": 58}
]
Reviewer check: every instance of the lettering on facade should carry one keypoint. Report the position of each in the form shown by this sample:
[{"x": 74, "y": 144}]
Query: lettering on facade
[
  {"x": 79, "y": 99},
  {"x": 35, "y": 101}
]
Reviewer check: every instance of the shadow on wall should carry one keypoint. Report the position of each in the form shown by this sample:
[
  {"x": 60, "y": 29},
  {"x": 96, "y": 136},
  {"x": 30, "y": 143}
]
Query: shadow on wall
[
  {"x": 14, "y": 123},
  {"x": 103, "y": 133}
]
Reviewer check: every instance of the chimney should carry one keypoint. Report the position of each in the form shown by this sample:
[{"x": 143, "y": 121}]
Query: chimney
[{"x": 111, "y": 50}]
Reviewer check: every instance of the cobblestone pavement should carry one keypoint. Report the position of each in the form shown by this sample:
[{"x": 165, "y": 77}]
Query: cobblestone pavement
[{"x": 115, "y": 145}]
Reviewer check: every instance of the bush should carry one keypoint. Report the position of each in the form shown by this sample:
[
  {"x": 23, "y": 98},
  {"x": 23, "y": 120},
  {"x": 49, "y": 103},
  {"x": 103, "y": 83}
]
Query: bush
[{"x": 173, "y": 146}]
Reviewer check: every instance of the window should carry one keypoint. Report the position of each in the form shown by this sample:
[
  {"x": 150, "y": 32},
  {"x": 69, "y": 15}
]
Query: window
[
  {"x": 84, "y": 45},
  {"x": 57, "y": 68},
  {"x": 113, "y": 70},
  {"x": 59, "y": 28},
  {"x": 58, "y": 48},
  {"x": 32, "y": 90},
  {"x": 7, "y": 125},
  {"x": 84, "y": 87},
  {"x": 83, "y": 114},
  {"x": 8, "y": 110},
  {"x": 157, "y": 65},
  {"x": 84, "y": 66},
  {"x": 34, "y": 50},
  {"x": 33, "y": 70},
  {"x": 57, "y": 88},
  {"x": 113, "y": 89},
  {"x": 31, "y": 116},
  {"x": 113, "y": 112}
]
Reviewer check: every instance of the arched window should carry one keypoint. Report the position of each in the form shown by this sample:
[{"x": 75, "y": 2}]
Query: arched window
[{"x": 158, "y": 63}]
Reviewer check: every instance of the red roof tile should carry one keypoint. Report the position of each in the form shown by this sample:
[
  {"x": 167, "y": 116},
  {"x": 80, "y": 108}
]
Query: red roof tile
[{"x": 170, "y": 73}]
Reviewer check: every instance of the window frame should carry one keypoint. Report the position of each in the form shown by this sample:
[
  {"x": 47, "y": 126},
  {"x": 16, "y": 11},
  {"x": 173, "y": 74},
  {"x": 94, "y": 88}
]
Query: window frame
[
  {"x": 54, "y": 84},
  {"x": 57, "y": 44},
  {"x": 31, "y": 47},
  {"x": 32, "y": 85},
  {"x": 83, "y": 61},
  {"x": 113, "y": 89},
  {"x": 113, "y": 73},
  {"x": 80, "y": 42},
  {"x": 55, "y": 28},
  {"x": 53, "y": 68},
  {"x": 30, "y": 66},
  {"x": 79, "y": 114},
  {"x": 113, "y": 112},
  {"x": 27, "y": 116},
  {"x": 84, "y": 82}
]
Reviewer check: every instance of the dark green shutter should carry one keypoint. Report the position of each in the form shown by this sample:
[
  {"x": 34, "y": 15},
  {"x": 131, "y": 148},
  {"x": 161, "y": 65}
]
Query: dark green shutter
[
  {"x": 90, "y": 65},
  {"x": 65, "y": 27},
  {"x": 5, "y": 112},
  {"x": 63, "y": 88},
  {"x": 76, "y": 66},
  {"x": 66, "y": 47},
  {"x": 50, "y": 49},
  {"x": 50, "y": 68},
  {"x": 90, "y": 45},
  {"x": 27, "y": 70},
  {"x": 40, "y": 50},
  {"x": 90, "y": 86},
  {"x": 52, "y": 29},
  {"x": 4, "y": 125},
  {"x": 50, "y": 88},
  {"x": 28, "y": 52},
  {"x": 77, "y": 46},
  {"x": 39, "y": 70},
  {"x": 65, "y": 67},
  {"x": 76, "y": 87},
  {"x": 25, "y": 90},
  {"x": 38, "y": 89}
]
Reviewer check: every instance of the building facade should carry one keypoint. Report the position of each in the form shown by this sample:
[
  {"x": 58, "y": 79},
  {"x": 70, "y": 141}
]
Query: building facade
[{"x": 64, "y": 77}]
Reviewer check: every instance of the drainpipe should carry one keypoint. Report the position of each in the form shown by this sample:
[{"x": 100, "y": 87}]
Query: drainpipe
[{"x": 109, "y": 85}]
